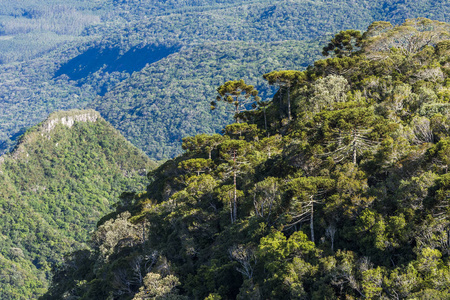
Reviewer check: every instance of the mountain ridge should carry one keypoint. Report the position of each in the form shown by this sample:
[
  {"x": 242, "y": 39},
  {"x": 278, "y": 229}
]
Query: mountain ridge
[
  {"x": 336, "y": 188},
  {"x": 63, "y": 174},
  {"x": 140, "y": 24}
]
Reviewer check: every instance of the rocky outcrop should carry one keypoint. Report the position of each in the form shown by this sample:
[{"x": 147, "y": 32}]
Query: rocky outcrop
[
  {"x": 68, "y": 118},
  {"x": 65, "y": 118}
]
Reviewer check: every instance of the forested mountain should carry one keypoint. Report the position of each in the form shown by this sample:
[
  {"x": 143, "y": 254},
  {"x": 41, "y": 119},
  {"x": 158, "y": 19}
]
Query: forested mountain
[
  {"x": 186, "y": 83},
  {"x": 64, "y": 174},
  {"x": 75, "y": 54},
  {"x": 337, "y": 188}
]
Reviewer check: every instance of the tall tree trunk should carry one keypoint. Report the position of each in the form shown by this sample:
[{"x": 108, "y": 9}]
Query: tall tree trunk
[
  {"x": 235, "y": 197},
  {"x": 265, "y": 121},
  {"x": 289, "y": 102},
  {"x": 311, "y": 224},
  {"x": 231, "y": 212},
  {"x": 354, "y": 147},
  {"x": 270, "y": 211},
  {"x": 235, "y": 188},
  {"x": 237, "y": 109},
  {"x": 280, "y": 109},
  {"x": 258, "y": 214}
]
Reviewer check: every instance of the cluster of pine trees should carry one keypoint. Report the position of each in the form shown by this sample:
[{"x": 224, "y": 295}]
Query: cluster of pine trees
[{"x": 336, "y": 188}]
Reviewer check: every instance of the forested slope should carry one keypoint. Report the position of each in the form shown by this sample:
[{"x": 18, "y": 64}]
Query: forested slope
[
  {"x": 336, "y": 189},
  {"x": 170, "y": 99},
  {"x": 64, "y": 174},
  {"x": 51, "y": 62}
]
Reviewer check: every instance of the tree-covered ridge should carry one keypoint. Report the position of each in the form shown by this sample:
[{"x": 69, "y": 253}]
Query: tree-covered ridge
[
  {"x": 103, "y": 42},
  {"x": 63, "y": 175},
  {"x": 185, "y": 82},
  {"x": 346, "y": 199},
  {"x": 261, "y": 25}
]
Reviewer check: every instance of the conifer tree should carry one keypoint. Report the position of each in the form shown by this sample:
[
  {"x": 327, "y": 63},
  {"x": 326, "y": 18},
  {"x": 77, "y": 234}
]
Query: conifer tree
[
  {"x": 306, "y": 193},
  {"x": 233, "y": 152},
  {"x": 285, "y": 79},
  {"x": 344, "y": 43},
  {"x": 237, "y": 93}
]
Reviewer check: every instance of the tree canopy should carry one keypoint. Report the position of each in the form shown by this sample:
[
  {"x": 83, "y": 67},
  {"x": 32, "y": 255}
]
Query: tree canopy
[{"x": 348, "y": 199}]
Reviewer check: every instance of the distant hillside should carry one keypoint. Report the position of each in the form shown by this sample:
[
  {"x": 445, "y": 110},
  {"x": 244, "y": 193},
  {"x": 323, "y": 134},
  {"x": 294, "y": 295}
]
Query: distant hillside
[
  {"x": 58, "y": 63},
  {"x": 63, "y": 175},
  {"x": 156, "y": 107}
]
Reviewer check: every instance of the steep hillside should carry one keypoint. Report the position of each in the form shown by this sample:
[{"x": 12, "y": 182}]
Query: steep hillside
[
  {"x": 168, "y": 89},
  {"x": 170, "y": 99},
  {"x": 53, "y": 63},
  {"x": 336, "y": 189},
  {"x": 63, "y": 175}
]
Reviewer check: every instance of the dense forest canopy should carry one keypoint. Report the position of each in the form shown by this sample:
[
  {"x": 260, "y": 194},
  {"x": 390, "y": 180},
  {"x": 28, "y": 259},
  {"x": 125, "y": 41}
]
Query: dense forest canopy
[
  {"x": 62, "y": 177},
  {"x": 337, "y": 188},
  {"x": 75, "y": 54}
]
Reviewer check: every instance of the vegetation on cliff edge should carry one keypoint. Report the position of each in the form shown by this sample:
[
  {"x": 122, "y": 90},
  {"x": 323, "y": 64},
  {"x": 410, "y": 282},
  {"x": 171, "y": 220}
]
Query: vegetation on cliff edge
[{"x": 347, "y": 198}]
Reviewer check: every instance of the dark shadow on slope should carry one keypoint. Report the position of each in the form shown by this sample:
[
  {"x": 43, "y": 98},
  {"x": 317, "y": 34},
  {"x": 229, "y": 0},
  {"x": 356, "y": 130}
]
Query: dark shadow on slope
[
  {"x": 110, "y": 59},
  {"x": 9, "y": 144}
]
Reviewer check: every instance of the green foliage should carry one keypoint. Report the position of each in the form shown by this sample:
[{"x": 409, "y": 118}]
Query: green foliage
[
  {"x": 285, "y": 79},
  {"x": 65, "y": 173},
  {"x": 346, "y": 199},
  {"x": 156, "y": 287},
  {"x": 151, "y": 62},
  {"x": 344, "y": 43},
  {"x": 158, "y": 127},
  {"x": 239, "y": 94}
]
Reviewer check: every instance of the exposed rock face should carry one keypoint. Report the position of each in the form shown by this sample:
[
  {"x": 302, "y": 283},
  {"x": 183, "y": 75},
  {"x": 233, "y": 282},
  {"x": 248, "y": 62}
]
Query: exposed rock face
[
  {"x": 69, "y": 118},
  {"x": 66, "y": 118}
]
